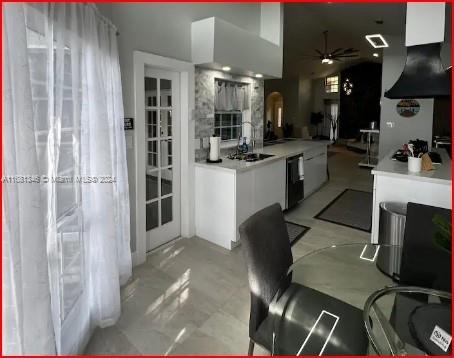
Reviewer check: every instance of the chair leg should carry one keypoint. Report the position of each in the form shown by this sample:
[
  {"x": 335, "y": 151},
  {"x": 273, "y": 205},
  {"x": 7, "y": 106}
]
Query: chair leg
[{"x": 250, "y": 351}]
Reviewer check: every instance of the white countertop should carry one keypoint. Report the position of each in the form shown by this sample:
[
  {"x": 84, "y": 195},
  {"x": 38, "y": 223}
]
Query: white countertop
[
  {"x": 441, "y": 174},
  {"x": 280, "y": 151}
]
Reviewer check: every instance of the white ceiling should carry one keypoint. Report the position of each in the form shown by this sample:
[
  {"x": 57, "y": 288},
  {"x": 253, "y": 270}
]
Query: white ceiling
[{"x": 346, "y": 23}]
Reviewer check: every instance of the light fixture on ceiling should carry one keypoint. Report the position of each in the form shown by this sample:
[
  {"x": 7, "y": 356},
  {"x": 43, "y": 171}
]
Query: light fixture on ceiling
[
  {"x": 375, "y": 54},
  {"x": 258, "y": 75},
  {"x": 330, "y": 62},
  {"x": 226, "y": 68},
  {"x": 325, "y": 60},
  {"x": 377, "y": 41}
]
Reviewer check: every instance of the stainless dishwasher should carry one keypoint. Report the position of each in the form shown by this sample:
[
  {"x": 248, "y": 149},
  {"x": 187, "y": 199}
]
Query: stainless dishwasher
[{"x": 294, "y": 191}]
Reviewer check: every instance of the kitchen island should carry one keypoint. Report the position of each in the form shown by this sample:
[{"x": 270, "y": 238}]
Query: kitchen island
[
  {"x": 393, "y": 182},
  {"x": 229, "y": 192}
]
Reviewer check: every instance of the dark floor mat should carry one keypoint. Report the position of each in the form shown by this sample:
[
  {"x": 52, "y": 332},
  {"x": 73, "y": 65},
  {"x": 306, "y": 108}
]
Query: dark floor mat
[
  {"x": 295, "y": 231},
  {"x": 352, "y": 208}
]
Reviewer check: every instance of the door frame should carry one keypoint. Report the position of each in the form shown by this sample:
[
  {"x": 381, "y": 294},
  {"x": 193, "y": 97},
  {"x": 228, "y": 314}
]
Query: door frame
[{"x": 187, "y": 102}]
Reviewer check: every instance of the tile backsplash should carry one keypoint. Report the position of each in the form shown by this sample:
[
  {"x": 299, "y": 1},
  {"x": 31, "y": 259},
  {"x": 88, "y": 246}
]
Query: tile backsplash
[{"x": 204, "y": 107}]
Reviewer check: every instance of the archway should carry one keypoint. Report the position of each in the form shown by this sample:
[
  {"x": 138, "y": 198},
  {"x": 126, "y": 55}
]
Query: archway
[{"x": 274, "y": 115}]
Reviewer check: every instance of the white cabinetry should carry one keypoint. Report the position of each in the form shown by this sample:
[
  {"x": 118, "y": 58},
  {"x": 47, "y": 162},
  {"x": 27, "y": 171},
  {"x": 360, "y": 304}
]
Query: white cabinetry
[
  {"x": 225, "y": 198},
  {"x": 315, "y": 164}
]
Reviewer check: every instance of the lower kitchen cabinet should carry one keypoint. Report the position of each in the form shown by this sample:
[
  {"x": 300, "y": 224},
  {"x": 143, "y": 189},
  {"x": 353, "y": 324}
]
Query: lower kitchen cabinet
[
  {"x": 315, "y": 172},
  {"x": 225, "y": 198}
]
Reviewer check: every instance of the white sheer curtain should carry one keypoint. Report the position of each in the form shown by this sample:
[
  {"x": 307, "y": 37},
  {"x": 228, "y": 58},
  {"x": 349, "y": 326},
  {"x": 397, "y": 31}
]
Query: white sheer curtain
[
  {"x": 231, "y": 96},
  {"x": 66, "y": 234}
]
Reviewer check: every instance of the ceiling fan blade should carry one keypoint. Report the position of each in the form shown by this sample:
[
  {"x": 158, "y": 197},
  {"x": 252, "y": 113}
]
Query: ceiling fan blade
[
  {"x": 306, "y": 55},
  {"x": 345, "y": 56},
  {"x": 350, "y": 50},
  {"x": 336, "y": 50},
  {"x": 319, "y": 52}
]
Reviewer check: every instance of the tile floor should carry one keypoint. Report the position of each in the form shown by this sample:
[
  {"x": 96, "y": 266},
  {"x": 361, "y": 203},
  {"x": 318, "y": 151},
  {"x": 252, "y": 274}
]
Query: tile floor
[{"x": 192, "y": 297}]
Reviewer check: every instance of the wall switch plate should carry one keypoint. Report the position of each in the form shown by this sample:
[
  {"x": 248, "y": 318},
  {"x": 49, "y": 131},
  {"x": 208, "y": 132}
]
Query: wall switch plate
[
  {"x": 197, "y": 143},
  {"x": 390, "y": 124}
]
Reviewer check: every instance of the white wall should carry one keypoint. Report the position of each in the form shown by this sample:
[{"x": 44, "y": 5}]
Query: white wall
[
  {"x": 304, "y": 104},
  {"x": 319, "y": 96},
  {"x": 271, "y": 22},
  {"x": 163, "y": 29},
  {"x": 404, "y": 129},
  {"x": 216, "y": 42}
]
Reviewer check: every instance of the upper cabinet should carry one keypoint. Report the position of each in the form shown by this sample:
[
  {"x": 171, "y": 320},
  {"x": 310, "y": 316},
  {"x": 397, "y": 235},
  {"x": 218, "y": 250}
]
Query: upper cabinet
[{"x": 216, "y": 43}]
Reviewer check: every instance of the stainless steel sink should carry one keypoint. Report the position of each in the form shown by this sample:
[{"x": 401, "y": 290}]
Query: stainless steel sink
[
  {"x": 249, "y": 157},
  {"x": 253, "y": 157}
]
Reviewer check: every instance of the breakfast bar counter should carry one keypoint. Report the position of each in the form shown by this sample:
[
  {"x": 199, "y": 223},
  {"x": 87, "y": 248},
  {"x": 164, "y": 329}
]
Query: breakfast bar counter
[
  {"x": 393, "y": 182},
  {"x": 394, "y": 168}
]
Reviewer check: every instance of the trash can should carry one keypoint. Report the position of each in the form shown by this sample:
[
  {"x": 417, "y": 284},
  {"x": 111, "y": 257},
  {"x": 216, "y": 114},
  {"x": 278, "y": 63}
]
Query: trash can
[{"x": 391, "y": 232}]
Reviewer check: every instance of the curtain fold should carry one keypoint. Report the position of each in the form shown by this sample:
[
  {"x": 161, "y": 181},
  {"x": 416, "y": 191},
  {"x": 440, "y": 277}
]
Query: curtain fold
[
  {"x": 68, "y": 252},
  {"x": 26, "y": 311},
  {"x": 230, "y": 96}
]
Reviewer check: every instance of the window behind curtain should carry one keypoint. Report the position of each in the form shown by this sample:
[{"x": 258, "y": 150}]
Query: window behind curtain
[
  {"x": 58, "y": 136},
  {"x": 231, "y": 100}
]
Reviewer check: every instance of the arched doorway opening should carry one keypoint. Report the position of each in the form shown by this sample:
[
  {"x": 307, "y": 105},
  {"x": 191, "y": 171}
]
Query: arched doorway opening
[{"x": 274, "y": 116}]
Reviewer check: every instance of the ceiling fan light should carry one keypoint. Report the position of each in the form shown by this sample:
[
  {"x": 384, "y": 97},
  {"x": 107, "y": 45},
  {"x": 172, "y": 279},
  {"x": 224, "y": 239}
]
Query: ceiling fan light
[
  {"x": 330, "y": 62},
  {"x": 325, "y": 60}
]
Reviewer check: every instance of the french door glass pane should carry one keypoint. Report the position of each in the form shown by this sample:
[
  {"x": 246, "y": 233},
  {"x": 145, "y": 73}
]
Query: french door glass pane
[
  {"x": 152, "y": 185},
  {"x": 166, "y": 93},
  {"x": 151, "y": 89},
  {"x": 166, "y": 181},
  {"x": 152, "y": 215},
  {"x": 166, "y": 123},
  {"x": 166, "y": 152},
  {"x": 152, "y": 158},
  {"x": 159, "y": 173},
  {"x": 166, "y": 210},
  {"x": 152, "y": 124}
]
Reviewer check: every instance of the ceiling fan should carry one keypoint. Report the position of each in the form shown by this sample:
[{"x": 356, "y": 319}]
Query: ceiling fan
[{"x": 338, "y": 54}]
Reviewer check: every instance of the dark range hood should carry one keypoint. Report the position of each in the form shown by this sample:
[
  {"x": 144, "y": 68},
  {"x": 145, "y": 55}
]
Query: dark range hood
[{"x": 423, "y": 75}]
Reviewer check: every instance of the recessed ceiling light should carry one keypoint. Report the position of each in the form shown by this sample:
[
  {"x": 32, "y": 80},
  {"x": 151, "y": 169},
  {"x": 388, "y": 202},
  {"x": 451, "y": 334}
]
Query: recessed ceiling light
[
  {"x": 258, "y": 75},
  {"x": 375, "y": 54},
  {"x": 377, "y": 41},
  {"x": 226, "y": 68}
]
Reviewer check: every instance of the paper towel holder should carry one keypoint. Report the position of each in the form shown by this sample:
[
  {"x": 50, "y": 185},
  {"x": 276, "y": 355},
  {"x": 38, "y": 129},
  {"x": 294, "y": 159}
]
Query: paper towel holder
[{"x": 213, "y": 161}]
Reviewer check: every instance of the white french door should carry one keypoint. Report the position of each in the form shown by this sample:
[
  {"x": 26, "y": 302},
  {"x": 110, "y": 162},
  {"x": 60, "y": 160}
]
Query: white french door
[{"x": 162, "y": 156}]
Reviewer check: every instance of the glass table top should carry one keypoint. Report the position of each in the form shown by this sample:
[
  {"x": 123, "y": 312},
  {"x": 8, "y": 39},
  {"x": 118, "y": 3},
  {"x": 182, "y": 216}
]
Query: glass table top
[{"x": 346, "y": 276}]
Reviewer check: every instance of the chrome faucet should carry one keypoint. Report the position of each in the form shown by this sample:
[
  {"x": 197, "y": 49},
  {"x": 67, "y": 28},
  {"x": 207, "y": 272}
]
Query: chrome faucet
[{"x": 253, "y": 128}]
